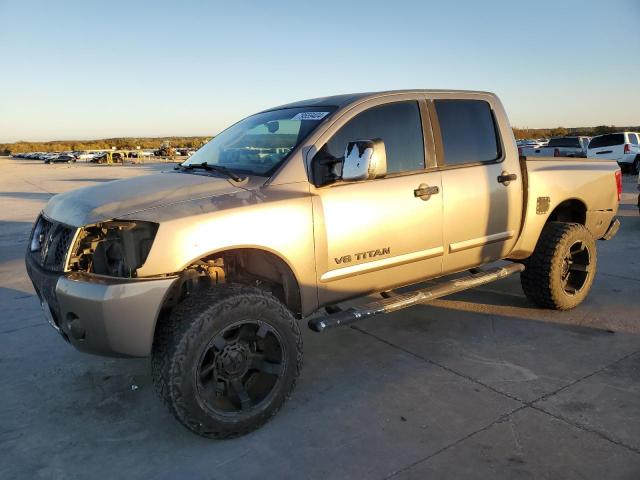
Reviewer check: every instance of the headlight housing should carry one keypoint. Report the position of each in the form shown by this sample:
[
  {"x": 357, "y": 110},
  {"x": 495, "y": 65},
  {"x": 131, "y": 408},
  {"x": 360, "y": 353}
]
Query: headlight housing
[{"x": 116, "y": 248}]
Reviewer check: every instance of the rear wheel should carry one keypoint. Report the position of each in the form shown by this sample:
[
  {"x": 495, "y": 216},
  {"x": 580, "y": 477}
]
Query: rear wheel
[
  {"x": 227, "y": 360},
  {"x": 561, "y": 270},
  {"x": 635, "y": 169}
]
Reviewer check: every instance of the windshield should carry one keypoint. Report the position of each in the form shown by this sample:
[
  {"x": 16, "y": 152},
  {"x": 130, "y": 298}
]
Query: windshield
[{"x": 258, "y": 144}]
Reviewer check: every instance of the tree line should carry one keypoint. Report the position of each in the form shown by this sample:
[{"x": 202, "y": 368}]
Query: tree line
[
  {"x": 562, "y": 131},
  {"x": 129, "y": 143}
]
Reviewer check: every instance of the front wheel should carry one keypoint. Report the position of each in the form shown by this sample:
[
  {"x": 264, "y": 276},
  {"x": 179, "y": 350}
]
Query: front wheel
[
  {"x": 560, "y": 272},
  {"x": 227, "y": 360}
]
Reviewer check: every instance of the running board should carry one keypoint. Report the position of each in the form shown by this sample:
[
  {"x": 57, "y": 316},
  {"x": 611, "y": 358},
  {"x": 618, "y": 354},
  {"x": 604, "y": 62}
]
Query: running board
[{"x": 404, "y": 300}]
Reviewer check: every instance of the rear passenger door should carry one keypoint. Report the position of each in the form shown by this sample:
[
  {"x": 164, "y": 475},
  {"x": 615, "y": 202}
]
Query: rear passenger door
[{"x": 482, "y": 211}]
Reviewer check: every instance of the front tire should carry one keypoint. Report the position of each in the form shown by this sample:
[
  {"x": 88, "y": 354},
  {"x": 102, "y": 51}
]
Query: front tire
[
  {"x": 226, "y": 360},
  {"x": 560, "y": 272}
]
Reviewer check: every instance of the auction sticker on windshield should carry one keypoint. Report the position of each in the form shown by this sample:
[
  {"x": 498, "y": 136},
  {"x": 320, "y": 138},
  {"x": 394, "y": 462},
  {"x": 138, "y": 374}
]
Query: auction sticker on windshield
[{"x": 310, "y": 116}]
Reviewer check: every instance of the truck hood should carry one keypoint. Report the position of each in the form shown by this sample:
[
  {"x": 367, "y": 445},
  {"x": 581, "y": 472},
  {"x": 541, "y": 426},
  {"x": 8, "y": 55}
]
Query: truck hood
[{"x": 118, "y": 198}]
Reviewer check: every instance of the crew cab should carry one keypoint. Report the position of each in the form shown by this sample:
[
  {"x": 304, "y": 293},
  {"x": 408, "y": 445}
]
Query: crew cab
[
  {"x": 559, "y": 147},
  {"x": 623, "y": 147},
  {"x": 209, "y": 268}
]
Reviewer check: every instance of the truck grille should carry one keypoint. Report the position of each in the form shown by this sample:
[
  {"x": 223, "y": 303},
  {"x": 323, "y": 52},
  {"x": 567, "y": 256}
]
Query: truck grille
[{"x": 50, "y": 242}]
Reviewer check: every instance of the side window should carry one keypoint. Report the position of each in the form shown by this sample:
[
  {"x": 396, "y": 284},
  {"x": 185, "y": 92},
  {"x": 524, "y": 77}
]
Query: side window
[
  {"x": 633, "y": 138},
  {"x": 397, "y": 124},
  {"x": 468, "y": 131}
]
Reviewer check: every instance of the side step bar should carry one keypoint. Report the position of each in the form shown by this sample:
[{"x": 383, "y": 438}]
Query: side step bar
[{"x": 404, "y": 300}]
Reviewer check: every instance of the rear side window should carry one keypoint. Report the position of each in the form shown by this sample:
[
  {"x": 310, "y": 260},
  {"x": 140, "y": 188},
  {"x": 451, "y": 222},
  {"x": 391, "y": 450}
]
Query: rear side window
[
  {"x": 397, "y": 124},
  {"x": 633, "y": 138},
  {"x": 608, "y": 140},
  {"x": 468, "y": 131},
  {"x": 568, "y": 142}
]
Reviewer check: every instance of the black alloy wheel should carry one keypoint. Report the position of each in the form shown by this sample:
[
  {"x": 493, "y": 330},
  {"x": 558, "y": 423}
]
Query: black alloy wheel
[
  {"x": 576, "y": 266},
  {"x": 240, "y": 368}
]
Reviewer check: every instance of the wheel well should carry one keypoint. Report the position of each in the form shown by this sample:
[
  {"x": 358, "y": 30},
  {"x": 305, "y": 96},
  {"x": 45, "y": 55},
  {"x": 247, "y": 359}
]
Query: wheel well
[
  {"x": 248, "y": 266},
  {"x": 570, "y": 211}
]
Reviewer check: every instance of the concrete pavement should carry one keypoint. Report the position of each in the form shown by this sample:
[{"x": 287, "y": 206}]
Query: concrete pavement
[{"x": 478, "y": 385}]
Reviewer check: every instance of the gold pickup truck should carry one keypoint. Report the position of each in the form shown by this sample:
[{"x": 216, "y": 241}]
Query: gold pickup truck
[{"x": 209, "y": 267}]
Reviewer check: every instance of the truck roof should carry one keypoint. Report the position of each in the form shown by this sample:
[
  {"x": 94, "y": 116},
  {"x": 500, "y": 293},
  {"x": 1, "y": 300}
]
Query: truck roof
[{"x": 349, "y": 98}]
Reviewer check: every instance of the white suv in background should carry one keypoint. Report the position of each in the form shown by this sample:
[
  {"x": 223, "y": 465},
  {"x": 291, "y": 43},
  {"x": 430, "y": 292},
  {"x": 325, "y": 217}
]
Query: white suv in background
[{"x": 623, "y": 147}]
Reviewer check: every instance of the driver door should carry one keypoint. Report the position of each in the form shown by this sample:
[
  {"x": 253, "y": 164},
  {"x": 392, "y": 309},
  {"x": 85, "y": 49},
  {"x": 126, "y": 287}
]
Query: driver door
[{"x": 374, "y": 235}]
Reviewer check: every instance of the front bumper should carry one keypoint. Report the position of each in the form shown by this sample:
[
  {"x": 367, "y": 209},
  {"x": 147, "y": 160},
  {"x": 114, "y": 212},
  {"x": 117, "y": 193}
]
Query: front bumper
[{"x": 103, "y": 316}]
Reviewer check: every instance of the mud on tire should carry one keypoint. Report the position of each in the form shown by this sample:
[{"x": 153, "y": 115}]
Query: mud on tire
[
  {"x": 560, "y": 272},
  {"x": 226, "y": 360}
]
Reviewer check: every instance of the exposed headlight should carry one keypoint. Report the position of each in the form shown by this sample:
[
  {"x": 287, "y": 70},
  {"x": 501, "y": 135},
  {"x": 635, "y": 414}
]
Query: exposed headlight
[
  {"x": 38, "y": 235},
  {"x": 115, "y": 248}
]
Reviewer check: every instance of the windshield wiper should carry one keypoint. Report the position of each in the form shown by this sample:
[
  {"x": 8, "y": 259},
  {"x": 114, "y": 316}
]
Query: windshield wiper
[{"x": 213, "y": 168}]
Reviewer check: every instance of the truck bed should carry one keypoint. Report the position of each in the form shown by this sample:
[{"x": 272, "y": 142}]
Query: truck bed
[{"x": 551, "y": 181}]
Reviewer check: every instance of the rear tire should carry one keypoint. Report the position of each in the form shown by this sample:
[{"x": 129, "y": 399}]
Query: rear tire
[
  {"x": 635, "y": 168},
  {"x": 560, "y": 272},
  {"x": 226, "y": 360}
]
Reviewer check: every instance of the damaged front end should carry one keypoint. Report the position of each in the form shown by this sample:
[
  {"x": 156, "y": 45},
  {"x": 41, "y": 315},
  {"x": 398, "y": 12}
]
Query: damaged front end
[
  {"x": 86, "y": 281},
  {"x": 115, "y": 248}
]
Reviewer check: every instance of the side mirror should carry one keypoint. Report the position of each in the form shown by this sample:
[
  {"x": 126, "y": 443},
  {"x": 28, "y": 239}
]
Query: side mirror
[{"x": 364, "y": 160}]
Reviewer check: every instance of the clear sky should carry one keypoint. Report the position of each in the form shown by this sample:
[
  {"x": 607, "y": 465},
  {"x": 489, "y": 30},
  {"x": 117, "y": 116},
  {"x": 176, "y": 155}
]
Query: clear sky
[{"x": 94, "y": 69}]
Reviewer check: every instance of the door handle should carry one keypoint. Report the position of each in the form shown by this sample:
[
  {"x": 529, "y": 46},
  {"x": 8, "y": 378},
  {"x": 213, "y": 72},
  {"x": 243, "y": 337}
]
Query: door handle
[
  {"x": 424, "y": 191},
  {"x": 506, "y": 178}
]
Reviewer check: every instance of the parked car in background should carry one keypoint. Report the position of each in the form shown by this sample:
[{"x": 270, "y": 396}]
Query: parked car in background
[
  {"x": 59, "y": 158},
  {"x": 83, "y": 155},
  {"x": 528, "y": 143},
  {"x": 145, "y": 153},
  {"x": 97, "y": 157},
  {"x": 559, "y": 147},
  {"x": 623, "y": 147}
]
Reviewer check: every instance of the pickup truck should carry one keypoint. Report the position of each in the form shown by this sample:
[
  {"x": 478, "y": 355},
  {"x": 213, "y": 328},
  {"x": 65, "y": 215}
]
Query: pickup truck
[
  {"x": 559, "y": 147},
  {"x": 291, "y": 212}
]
